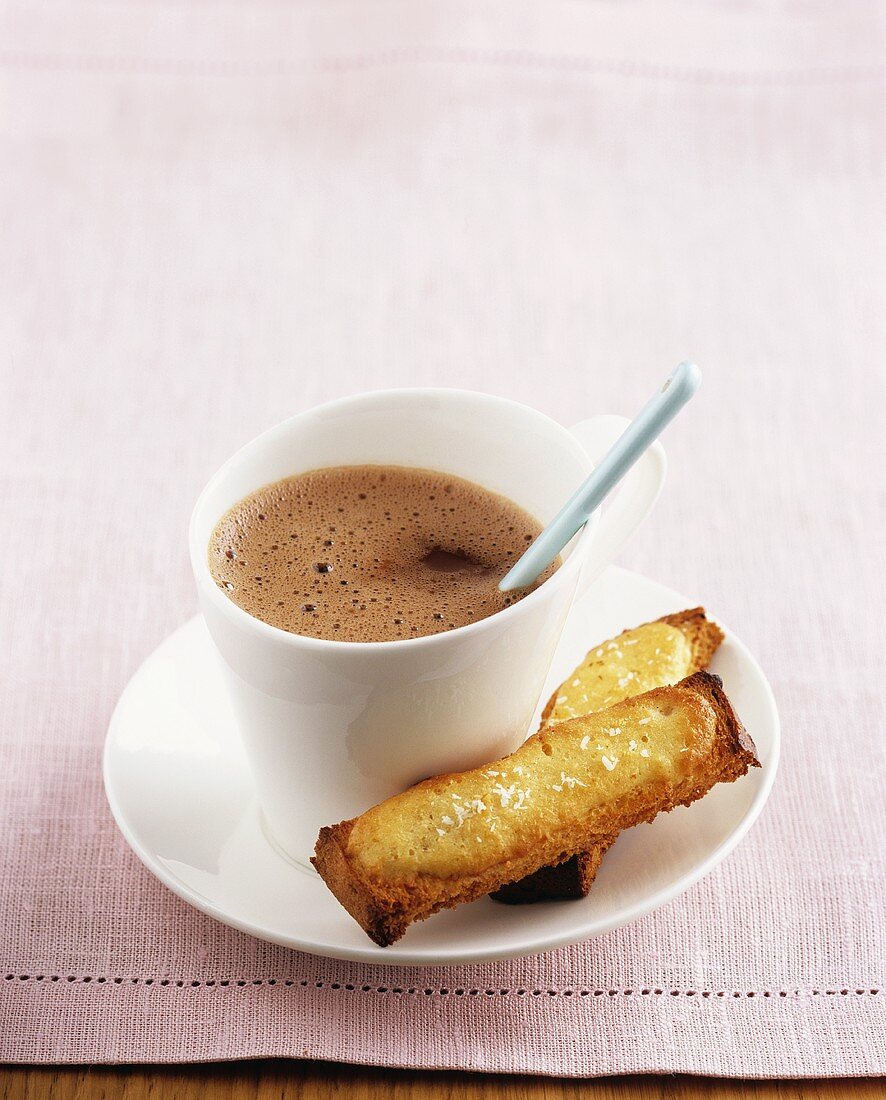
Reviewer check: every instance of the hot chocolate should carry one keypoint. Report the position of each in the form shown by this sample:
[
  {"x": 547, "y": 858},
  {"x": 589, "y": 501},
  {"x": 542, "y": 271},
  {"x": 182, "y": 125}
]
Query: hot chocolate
[{"x": 370, "y": 553}]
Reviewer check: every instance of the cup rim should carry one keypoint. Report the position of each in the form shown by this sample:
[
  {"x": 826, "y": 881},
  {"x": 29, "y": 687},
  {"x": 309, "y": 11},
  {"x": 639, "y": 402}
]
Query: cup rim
[{"x": 210, "y": 590}]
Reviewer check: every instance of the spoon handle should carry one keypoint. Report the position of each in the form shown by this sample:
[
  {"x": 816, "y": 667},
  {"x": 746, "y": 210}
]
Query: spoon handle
[{"x": 646, "y": 427}]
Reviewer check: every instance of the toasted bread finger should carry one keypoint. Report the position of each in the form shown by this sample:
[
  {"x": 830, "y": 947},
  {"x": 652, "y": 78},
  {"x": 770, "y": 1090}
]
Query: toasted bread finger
[
  {"x": 653, "y": 655},
  {"x": 456, "y": 837}
]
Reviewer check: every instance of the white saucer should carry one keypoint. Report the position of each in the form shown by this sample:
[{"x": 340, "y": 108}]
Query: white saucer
[{"x": 181, "y": 793}]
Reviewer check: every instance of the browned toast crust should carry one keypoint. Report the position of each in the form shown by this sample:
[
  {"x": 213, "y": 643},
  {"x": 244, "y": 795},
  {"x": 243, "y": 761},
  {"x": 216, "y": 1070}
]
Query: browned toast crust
[
  {"x": 573, "y": 878},
  {"x": 704, "y": 636},
  {"x": 385, "y": 905},
  {"x": 378, "y": 920}
]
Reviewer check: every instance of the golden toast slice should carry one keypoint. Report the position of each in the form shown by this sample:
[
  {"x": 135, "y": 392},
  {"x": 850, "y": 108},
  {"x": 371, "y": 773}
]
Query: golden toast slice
[
  {"x": 652, "y": 655},
  {"x": 456, "y": 837}
]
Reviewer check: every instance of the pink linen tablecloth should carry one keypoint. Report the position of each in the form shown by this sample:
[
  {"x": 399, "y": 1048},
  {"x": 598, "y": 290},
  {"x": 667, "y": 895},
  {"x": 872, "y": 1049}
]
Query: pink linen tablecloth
[{"x": 214, "y": 216}]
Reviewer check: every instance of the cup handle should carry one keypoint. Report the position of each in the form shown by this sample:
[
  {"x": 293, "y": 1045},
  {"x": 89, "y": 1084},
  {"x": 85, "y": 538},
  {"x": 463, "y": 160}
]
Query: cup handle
[{"x": 631, "y": 503}]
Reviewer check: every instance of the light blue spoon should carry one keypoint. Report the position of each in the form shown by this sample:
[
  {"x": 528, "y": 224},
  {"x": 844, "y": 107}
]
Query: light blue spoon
[{"x": 650, "y": 422}]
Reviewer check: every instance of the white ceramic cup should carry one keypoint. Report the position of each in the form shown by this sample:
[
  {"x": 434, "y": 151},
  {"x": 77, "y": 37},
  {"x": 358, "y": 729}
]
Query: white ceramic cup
[{"x": 330, "y": 727}]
